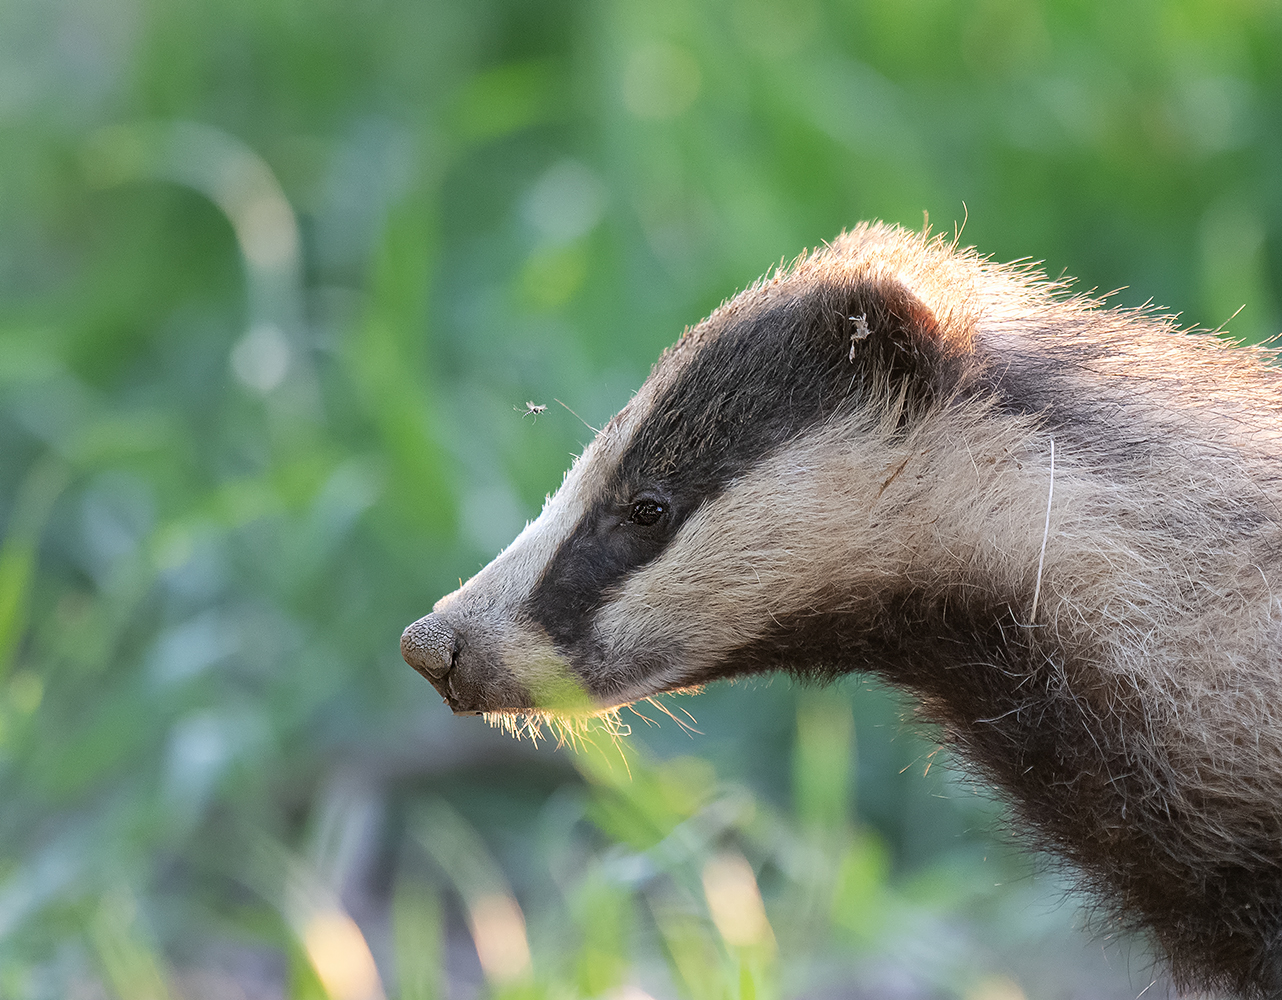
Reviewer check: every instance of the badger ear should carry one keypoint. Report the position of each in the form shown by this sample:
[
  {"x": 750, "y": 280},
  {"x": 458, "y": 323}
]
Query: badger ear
[{"x": 884, "y": 334}]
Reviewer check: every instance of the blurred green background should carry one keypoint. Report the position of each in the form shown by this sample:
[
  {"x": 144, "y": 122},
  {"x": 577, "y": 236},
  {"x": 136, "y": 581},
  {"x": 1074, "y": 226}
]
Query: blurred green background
[{"x": 277, "y": 280}]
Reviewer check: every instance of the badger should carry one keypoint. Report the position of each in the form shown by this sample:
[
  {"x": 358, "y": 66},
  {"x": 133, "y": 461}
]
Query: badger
[{"x": 1057, "y": 524}]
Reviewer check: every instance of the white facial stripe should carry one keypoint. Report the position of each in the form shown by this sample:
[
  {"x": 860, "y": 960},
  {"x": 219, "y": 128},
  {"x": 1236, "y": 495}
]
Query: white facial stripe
[
  {"x": 498, "y": 589},
  {"x": 488, "y": 605},
  {"x": 491, "y": 600}
]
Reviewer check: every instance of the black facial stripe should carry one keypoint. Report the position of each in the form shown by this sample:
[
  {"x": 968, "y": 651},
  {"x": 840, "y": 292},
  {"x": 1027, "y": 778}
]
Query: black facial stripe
[
  {"x": 603, "y": 547},
  {"x": 754, "y": 385},
  {"x": 746, "y": 384}
]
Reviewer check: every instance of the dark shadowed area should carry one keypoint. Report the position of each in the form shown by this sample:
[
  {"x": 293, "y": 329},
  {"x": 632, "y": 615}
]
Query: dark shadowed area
[{"x": 284, "y": 290}]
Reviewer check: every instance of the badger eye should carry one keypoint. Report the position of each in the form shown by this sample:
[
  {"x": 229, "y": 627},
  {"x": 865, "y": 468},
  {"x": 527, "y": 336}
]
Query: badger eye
[{"x": 647, "y": 512}]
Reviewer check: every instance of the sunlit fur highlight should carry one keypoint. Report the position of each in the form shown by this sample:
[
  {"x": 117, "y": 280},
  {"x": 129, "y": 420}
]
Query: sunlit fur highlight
[
  {"x": 574, "y": 731},
  {"x": 578, "y": 730}
]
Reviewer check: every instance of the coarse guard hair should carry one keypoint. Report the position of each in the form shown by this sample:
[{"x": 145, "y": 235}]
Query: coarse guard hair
[{"x": 1057, "y": 524}]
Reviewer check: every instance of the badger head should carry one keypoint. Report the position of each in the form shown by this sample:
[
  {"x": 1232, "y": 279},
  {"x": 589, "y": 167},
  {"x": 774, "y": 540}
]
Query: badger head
[{"x": 735, "y": 498}]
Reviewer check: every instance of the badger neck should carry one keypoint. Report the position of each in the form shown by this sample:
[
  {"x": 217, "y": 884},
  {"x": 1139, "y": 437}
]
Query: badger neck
[
  {"x": 1061, "y": 636},
  {"x": 1140, "y": 777}
]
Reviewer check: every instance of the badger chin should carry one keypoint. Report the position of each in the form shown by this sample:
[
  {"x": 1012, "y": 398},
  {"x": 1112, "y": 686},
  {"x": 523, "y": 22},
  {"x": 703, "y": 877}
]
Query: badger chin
[
  {"x": 576, "y": 727},
  {"x": 563, "y": 729}
]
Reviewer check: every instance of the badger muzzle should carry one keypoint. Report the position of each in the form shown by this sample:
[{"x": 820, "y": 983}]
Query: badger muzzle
[
  {"x": 490, "y": 665},
  {"x": 431, "y": 646},
  {"x": 468, "y": 675}
]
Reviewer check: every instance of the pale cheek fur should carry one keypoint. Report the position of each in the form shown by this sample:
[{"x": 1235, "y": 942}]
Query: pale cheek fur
[{"x": 842, "y": 512}]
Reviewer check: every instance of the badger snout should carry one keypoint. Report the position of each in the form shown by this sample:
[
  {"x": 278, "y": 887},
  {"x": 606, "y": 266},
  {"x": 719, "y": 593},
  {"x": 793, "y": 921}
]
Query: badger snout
[
  {"x": 429, "y": 646},
  {"x": 463, "y": 661}
]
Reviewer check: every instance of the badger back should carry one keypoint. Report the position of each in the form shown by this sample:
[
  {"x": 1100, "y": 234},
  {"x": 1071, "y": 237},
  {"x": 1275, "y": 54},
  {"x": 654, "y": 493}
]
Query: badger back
[{"x": 1057, "y": 523}]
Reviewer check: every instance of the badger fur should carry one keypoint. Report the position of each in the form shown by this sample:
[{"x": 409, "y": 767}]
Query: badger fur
[{"x": 1058, "y": 524}]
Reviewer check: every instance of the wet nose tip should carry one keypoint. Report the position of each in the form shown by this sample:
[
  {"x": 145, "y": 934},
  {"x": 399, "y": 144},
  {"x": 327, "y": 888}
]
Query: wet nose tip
[{"x": 428, "y": 647}]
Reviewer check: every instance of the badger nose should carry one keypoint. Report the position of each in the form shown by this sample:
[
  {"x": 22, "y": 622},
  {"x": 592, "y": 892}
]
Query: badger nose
[{"x": 428, "y": 647}]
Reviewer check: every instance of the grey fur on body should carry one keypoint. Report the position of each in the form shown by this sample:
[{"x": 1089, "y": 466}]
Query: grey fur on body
[{"x": 849, "y": 467}]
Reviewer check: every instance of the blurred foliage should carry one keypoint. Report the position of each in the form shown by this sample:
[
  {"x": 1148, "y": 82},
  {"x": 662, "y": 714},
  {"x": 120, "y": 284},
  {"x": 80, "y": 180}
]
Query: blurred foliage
[{"x": 276, "y": 282}]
